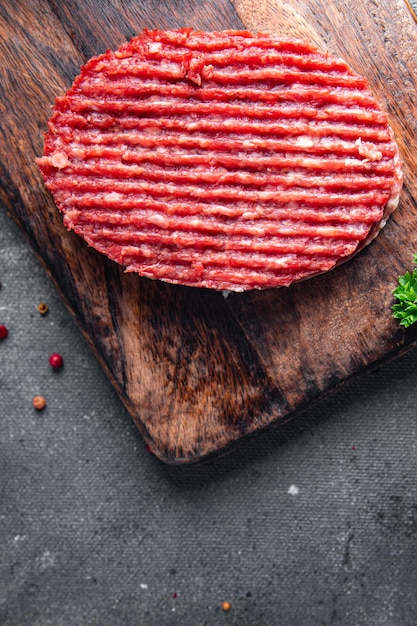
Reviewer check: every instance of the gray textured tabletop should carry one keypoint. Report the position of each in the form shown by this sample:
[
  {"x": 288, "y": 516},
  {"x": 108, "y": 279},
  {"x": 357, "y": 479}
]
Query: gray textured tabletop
[{"x": 314, "y": 523}]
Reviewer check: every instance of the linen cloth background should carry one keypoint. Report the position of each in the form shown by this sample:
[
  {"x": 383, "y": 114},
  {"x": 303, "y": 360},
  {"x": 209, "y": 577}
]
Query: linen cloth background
[{"x": 314, "y": 523}]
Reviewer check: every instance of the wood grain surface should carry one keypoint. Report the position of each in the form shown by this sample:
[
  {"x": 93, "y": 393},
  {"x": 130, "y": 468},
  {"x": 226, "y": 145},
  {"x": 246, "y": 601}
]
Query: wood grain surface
[{"x": 197, "y": 371}]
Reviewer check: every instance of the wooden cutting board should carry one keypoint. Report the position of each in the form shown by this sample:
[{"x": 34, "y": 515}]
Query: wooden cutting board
[{"x": 195, "y": 370}]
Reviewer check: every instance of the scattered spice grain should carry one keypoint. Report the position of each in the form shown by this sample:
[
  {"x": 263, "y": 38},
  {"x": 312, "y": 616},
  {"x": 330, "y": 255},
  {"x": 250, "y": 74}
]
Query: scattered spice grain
[
  {"x": 39, "y": 403},
  {"x": 3, "y": 331},
  {"x": 226, "y": 606},
  {"x": 56, "y": 361},
  {"x": 43, "y": 308}
]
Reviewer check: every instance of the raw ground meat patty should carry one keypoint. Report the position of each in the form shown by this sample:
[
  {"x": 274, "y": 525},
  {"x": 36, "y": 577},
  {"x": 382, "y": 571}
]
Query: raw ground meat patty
[{"x": 224, "y": 160}]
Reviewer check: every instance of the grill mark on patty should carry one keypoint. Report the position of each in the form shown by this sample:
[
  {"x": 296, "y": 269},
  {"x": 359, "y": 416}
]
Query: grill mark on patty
[
  {"x": 132, "y": 195},
  {"x": 327, "y": 102},
  {"x": 316, "y": 138},
  {"x": 165, "y": 105},
  {"x": 240, "y": 161},
  {"x": 103, "y": 175}
]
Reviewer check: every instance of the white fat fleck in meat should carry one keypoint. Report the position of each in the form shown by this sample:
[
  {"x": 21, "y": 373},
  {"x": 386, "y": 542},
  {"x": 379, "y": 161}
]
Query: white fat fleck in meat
[
  {"x": 158, "y": 220},
  {"x": 257, "y": 231},
  {"x": 59, "y": 160},
  {"x": 368, "y": 150},
  {"x": 151, "y": 130},
  {"x": 71, "y": 219},
  {"x": 356, "y": 229},
  {"x": 305, "y": 141},
  {"x": 99, "y": 66},
  {"x": 244, "y": 177},
  {"x": 250, "y": 215},
  {"x": 173, "y": 68},
  {"x": 78, "y": 153},
  {"x": 207, "y": 71},
  {"x": 113, "y": 197},
  {"x": 154, "y": 46},
  {"x": 229, "y": 123},
  {"x": 194, "y": 222},
  {"x": 123, "y": 54},
  {"x": 248, "y": 143},
  {"x": 147, "y": 251},
  {"x": 145, "y": 140}
]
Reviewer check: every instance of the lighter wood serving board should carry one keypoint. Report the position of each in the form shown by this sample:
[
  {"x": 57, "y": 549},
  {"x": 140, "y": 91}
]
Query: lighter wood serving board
[{"x": 197, "y": 371}]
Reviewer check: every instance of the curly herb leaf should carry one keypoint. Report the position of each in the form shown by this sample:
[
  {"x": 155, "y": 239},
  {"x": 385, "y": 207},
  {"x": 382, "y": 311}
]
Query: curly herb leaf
[{"x": 406, "y": 294}]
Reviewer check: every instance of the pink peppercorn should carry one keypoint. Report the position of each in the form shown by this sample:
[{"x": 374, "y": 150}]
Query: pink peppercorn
[
  {"x": 39, "y": 403},
  {"x": 3, "y": 331},
  {"x": 56, "y": 361}
]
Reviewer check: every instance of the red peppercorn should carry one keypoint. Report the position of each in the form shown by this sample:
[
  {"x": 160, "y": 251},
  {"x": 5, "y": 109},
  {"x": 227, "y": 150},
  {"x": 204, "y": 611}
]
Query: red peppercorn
[
  {"x": 3, "y": 331},
  {"x": 56, "y": 361}
]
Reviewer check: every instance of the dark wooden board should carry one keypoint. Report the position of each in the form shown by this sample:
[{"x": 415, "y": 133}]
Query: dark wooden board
[{"x": 197, "y": 371}]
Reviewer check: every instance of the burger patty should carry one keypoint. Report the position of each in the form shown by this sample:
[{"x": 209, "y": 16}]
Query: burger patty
[{"x": 224, "y": 160}]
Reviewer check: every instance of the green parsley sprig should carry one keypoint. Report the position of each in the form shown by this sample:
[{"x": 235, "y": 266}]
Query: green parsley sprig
[{"x": 406, "y": 294}]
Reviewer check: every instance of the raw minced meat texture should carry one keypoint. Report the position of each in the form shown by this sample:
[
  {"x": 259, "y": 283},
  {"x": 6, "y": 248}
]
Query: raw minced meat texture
[{"x": 224, "y": 160}]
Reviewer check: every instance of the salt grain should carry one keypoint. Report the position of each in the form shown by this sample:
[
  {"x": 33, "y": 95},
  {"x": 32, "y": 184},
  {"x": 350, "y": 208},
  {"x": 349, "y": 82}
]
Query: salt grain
[{"x": 293, "y": 490}]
